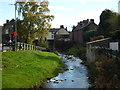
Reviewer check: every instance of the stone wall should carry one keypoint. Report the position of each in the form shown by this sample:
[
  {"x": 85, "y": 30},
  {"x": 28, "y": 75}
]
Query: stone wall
[{"x": 93, "y": 48}]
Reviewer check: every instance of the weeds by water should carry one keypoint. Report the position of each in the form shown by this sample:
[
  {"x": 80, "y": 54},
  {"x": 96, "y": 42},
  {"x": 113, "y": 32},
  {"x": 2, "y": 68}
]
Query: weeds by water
[{"x": 105, "y": 72}]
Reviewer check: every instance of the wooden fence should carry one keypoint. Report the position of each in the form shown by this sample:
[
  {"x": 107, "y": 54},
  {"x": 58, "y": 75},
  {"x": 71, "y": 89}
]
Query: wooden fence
[{"x": 23, "y": 46}]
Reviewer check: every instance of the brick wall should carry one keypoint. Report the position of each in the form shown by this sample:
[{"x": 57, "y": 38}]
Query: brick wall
[{"x": 78, "y": 36}]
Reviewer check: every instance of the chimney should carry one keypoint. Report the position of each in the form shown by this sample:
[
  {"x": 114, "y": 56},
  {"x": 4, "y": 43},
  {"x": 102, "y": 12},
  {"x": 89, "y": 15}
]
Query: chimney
[
  {"x": 66, "y": 28},
  {"x": 73, "y": 27},
  {"x": 92, "y": 20},
  {"x": 61, "y": 26},
  {"x": 7, "y": 21},
  {"x": 84, "y": 21},
  {"x": 87, "y": 20},
  {"x": 81, "y": 23}
]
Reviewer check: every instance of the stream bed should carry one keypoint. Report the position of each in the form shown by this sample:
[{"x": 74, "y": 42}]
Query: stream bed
[{"x": 76, "y": 75}]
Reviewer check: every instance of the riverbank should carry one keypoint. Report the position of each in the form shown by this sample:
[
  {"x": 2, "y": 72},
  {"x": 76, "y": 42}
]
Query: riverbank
[
  {"x": 104, "y": 72},
  {"x": 26, "y": 69}
]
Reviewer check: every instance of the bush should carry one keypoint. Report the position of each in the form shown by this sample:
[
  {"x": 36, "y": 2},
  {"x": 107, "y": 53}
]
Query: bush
[
  {"x": 77, "y": 51},
  {"x": 97, "y": 38},
  {"x": 44, "y": 44},
  {"x": 88, "y": 34},
  {"x": 105, "y": 72}
]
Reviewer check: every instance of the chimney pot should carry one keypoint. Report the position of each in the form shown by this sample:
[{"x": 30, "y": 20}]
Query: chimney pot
[
  {"x": 91, "y": 20},
  {"x": 61, "y": 26},
  {"x": 7, "y": 21}
]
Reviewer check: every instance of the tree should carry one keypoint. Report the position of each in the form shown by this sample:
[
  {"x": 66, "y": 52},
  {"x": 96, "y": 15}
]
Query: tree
[
  {"x": 35, "y": 20},
  {"x": 88, "y": 34},
  {"x": 113, "y": 20},
  {"x": 104, "y": 25}
]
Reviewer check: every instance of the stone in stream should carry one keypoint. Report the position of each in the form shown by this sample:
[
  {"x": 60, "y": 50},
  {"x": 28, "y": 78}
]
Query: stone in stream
[
  {"x": 61, "y": 80},
  {"x": 66, "y": 69},
  {"x": 71, "y": 69},
  {"x": 48, "y": 78},
  {"x": 65, "y": 79},
  {"x": 48, "y": 81},
  {"x": 55, "y": 82},
  {"x": 72, "y": 80}
]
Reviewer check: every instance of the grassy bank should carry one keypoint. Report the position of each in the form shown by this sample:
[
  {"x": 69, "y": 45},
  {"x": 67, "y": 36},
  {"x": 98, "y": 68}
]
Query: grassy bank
[
  {"x": 0, "y": 70},
  {"x": 25, "y": 69},
  {"x": 104, "y": 72}
]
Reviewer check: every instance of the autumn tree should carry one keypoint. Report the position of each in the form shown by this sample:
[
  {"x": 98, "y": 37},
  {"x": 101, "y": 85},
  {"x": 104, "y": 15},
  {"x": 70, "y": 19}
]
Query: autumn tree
[{"x": 36, "y": 21}]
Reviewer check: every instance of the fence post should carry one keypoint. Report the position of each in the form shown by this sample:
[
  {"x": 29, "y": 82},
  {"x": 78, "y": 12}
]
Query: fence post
[
  {"x": 32, "y": 47},
  {"x": 18, "y": 46},
  {"x": 24, "y": 46},
  {"x": 117, "y": 55},
  {"x": 21, "y": 46},
  {"x": 27, "y": 46}
]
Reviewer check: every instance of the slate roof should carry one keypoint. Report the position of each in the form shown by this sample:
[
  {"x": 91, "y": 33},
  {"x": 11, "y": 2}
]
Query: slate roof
[
  {"x": 54, "y": 29},
  {"x": 78, "y": 27},
  {"x": 57, "y": 29},
  {"x": 82, "y": 24}
]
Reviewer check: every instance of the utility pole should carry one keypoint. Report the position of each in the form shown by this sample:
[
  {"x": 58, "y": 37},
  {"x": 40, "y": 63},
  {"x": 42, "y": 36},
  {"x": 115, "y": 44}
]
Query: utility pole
[
  {"x": 15, "y": 31},
  {"x": 119, "y": 7}
]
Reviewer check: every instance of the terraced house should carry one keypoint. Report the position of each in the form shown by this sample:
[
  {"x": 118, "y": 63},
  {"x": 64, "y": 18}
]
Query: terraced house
[
  {"x": 85, "y": 25},
  {"x": 58, "y": 34}
]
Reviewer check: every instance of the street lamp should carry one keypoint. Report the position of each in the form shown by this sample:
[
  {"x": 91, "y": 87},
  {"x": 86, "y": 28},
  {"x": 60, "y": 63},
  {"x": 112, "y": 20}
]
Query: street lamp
[{"x": 15, "y": 31}]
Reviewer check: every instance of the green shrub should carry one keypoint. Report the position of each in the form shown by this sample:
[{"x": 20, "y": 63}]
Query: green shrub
[{"x": 77, "y": 51}]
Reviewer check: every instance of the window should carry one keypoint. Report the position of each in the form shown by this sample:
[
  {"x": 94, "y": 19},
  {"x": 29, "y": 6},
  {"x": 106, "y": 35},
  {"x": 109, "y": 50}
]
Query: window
[
  {"x": 6, "y": 31},
  {"x": 52, "y": 32},
  {"x": 52, "y": 36}
]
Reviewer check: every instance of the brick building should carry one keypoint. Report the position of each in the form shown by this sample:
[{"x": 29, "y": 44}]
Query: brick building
[{"x": 85, "y": 25}]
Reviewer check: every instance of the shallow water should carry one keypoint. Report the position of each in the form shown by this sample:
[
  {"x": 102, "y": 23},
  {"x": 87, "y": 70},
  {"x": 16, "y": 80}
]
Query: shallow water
[{"x": 74, "y": 77}]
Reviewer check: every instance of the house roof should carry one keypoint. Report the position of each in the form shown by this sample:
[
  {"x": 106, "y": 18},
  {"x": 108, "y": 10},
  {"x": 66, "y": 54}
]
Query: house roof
[
  {"x": 62, "y": 31},
  {"x": 57, "y": 29},
  {"x": 82, "y": 24},
  {"x": 54, "y": 29}
]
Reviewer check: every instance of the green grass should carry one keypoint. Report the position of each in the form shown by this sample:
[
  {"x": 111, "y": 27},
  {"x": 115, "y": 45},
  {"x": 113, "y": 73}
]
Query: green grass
[
  {"x": 0, "y": 70},
  {"x": 25, "y": 69}
]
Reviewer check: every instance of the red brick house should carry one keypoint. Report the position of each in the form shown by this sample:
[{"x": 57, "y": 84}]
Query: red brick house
[{"x": 85, "y": 25}]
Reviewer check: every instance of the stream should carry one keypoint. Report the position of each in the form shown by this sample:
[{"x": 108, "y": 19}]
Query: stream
[{"x": 74, "y": 77}]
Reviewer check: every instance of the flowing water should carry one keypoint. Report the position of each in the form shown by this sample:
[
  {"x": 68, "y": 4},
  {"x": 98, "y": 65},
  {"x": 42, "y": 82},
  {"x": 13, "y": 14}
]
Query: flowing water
[{"x": 74, "y": 77}]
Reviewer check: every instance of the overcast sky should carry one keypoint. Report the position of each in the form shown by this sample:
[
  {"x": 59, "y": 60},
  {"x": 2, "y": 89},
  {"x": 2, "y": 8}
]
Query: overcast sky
[{"x": 66, "y": 12}]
